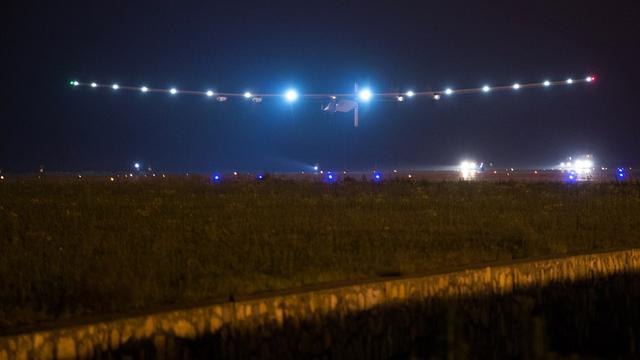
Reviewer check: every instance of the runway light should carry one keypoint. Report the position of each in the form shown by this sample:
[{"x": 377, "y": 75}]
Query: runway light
[
  {"x": 365, "y": 95},
  {"x": 144, "y": 89},
  {"x": 448, "y": 91},
  {"x": 260, "y": 177},
  {"x": 330, "y": 177},
  {"x": 486, "y": 88},
  {"x": 315, "y": 168},
  {"x": 247, "y": 95},
  {"x": 74, "y": 83},
  {"x": 209, "y": 93},
  {"x": 436, "y": 97},
  {"x": 111, "y": 179},
  {"x": 173, "y": 91},
  {"x": 291, "y": 95},
  {"x": 410, "y": 93},
  {"x": 137, "y": 166},
  {"x": 377, "y": 176},
  {"x": 569, "y": 81},
  {"x": 94, "y": 85},
  {"x": 216, "y": 178},
  {"x": 115, "y": 86},
  {"x": 235, "y": 173},
  {"x": 516, "y": 86},
  {"x": 400, "y": 98}
]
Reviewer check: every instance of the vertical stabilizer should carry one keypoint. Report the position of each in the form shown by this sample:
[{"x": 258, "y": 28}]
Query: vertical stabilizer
[{"x": 355, "y": 111}]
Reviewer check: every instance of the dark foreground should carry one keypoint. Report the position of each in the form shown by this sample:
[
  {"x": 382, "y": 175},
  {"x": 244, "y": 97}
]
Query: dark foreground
[
  {"x": 75, "y": 247},
  {"x": 596, "y": 318}
]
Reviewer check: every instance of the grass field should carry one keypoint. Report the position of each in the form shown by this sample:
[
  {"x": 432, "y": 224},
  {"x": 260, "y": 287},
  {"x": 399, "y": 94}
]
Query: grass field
[{"x": 85, "y": 246}]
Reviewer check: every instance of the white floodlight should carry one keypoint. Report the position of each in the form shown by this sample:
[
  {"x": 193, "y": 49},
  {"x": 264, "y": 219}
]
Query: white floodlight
[
  {"x": 468, "y": 169},
  {"x": 400, "y": 98},
  {"x": 436, "y": 97},
  {"x": 468, "y": 165}
]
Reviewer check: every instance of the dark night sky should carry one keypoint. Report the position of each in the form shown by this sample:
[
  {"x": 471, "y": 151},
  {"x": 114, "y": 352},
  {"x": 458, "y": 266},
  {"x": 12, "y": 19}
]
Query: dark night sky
[{"x": 269, "y": 46}]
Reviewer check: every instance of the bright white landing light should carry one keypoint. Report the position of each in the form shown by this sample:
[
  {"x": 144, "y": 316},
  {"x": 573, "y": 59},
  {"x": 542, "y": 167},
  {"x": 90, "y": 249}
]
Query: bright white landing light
[
  {"x": 546, "y": 83},
  {"x": 94, "y": 85},
  {"x": 516, "y": 86},
  {"x": 209, "y": 93},
  {"x": 115, "y": 87},
  {"x": 486, "y": 88},
  {"x": 173, "y": 91},
  {"x": 410, "y": 93},
  {"x": 448, "y": 91},
  {"x": 365, "y": 95},
  {"x": 144, "y": 89},
  {"x": 569, "y": 81},
  {"x": 291, "y": 95},
  {"x": 247, "y": 95}
]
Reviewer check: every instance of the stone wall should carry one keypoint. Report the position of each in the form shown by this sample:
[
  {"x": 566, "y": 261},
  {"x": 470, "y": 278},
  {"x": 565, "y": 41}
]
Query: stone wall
[{"x": 160, "y": 331}]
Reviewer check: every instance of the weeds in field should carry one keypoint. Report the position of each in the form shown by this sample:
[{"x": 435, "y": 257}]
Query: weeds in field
[{"x": 83, "y": 247}]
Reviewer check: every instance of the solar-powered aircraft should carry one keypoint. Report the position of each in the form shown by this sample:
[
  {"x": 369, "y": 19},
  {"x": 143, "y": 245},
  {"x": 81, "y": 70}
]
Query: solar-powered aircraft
[{"x": 340, "y": 102}]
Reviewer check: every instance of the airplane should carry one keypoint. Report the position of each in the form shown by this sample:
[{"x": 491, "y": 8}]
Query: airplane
[
  {"x": 343, "y": 105},
  {"x": 341, "y": 102}
]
